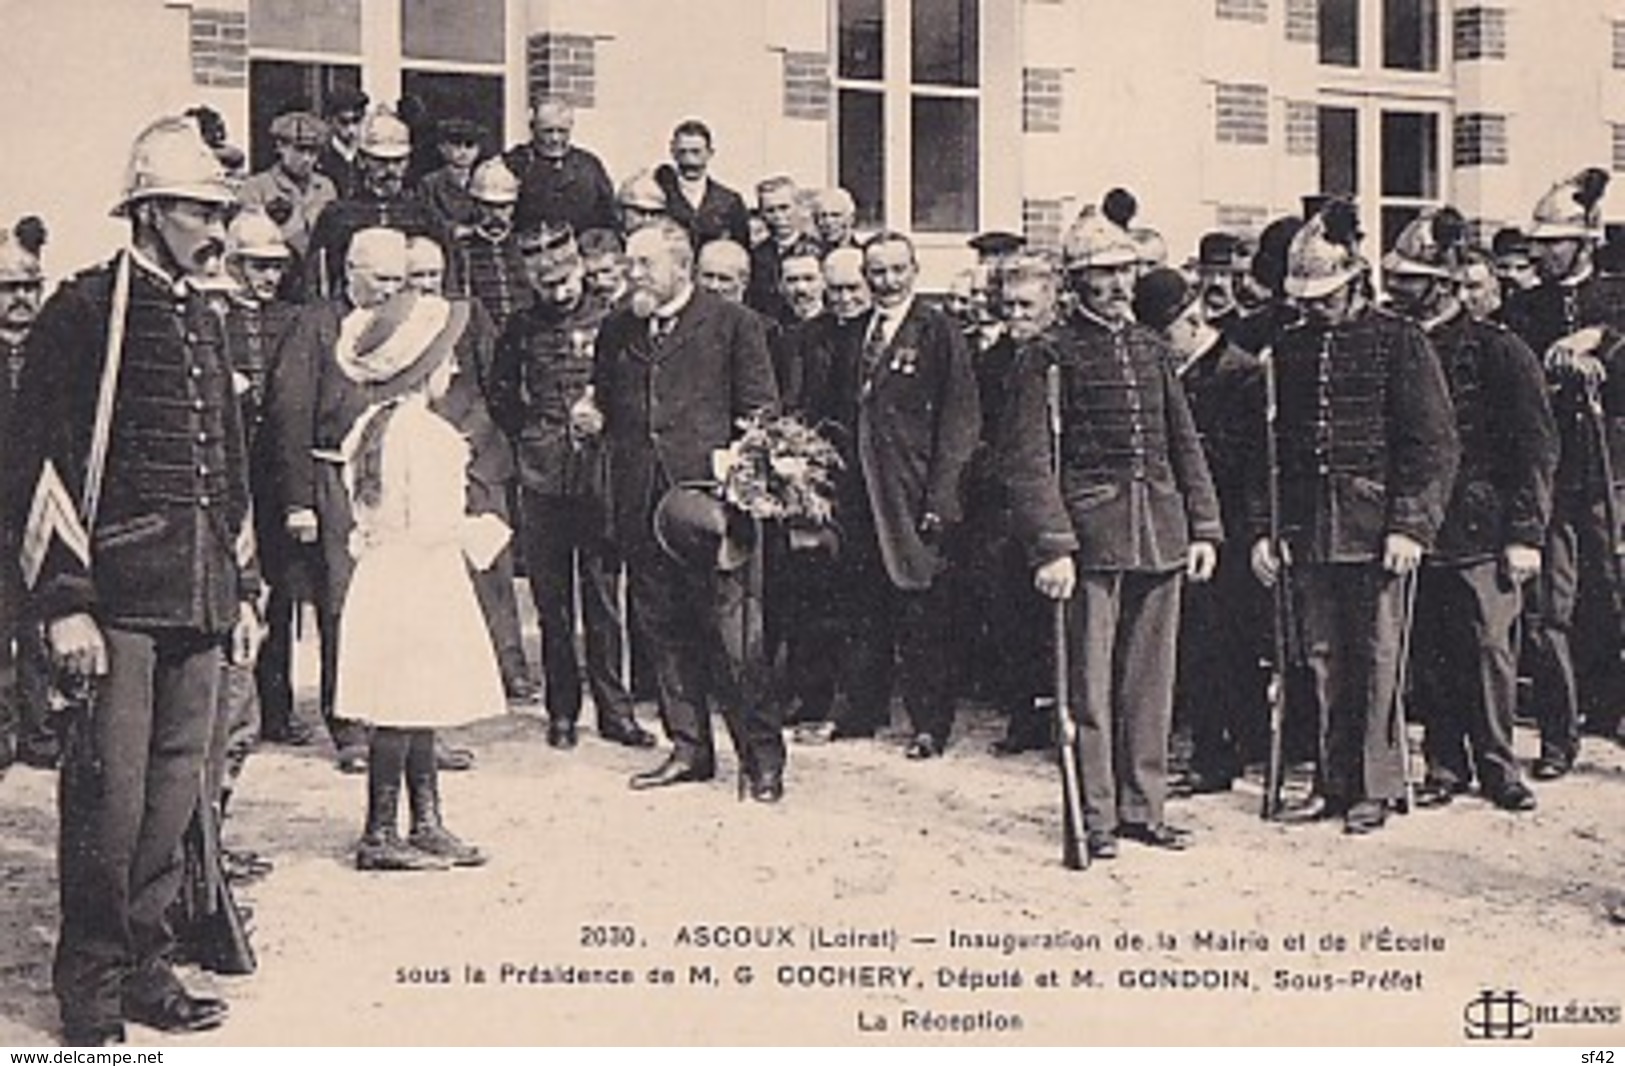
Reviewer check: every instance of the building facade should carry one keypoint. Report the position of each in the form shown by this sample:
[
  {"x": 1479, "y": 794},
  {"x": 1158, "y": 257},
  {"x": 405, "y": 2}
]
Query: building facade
[{"x": 944, "y": 117}]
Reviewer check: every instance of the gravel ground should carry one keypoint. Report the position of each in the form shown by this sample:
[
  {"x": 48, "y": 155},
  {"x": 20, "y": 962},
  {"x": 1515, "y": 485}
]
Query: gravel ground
[{"x": 912, "y": 857}]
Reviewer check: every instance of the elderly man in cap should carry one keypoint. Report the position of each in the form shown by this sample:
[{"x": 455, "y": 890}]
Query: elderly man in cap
[
  {"x": 381, "y": 200},
  {"x": 132, "y": 556},
  {"x": 698, "y": 202},
  {"x": 1366, "y": 455},
  {"x": 346, "y": 111},
  {"x": 543, "y": 365},
  {"x": 291, "y": 191},
  {"x": 25, "y": 729},
  {"x": 1574, "y": 320},
  {"x": 674, "y": 371},
  {"x": 446, "y": 188},
  {"x": 640, "y": 202},
  {"x": 559, "y": 183},
  {"x": 1130, "y": 518},
  {"x": 902, "y": 404},
  {"x": 1471, "y": 590}
]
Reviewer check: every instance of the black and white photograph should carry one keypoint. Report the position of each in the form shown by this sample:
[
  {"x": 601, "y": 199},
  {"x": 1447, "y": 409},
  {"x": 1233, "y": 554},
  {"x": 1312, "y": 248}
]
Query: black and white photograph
[{"x": 870, "y": 523}]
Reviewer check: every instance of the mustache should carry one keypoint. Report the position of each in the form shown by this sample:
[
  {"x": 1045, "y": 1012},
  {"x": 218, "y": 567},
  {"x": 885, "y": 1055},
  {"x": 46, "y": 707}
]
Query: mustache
[{"x": 208, "y": 252}]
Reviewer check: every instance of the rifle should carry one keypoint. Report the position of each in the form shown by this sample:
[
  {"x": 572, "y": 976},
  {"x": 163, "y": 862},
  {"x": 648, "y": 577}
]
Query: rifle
[
  {"x": 1402, "y": 671},
  {"x": 1599, "y": 424},
  {"x": 1074, "y": 852},
  {"x": 214, "y": 933},
  {"x": 1282, "y": 616}
]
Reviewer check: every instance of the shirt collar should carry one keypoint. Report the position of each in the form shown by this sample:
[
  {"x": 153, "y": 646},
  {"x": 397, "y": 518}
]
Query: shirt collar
[
  {"x": 163, "y": 277},
  {"x": 674, "y": 306},
  {"x": 1088, "y": 315}
]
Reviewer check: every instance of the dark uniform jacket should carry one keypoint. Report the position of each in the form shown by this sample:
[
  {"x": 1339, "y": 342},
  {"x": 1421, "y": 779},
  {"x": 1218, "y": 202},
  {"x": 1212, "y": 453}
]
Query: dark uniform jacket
[
  {"x": 908, "y": 422},
  {"x": 254, "y": 333},
  {"x": 1548, "y": 313},
  {"x": 1134, "y": 489},
  {"x": 722, "y": 212},
  {"x": 168, "y": 535},
  {"x": 1222, "y": 388},
  {"x": 1366, "y": 439},
  {"x": 493, "y": 272},
  {"x": 669, "y": 405},
  {"x": 342, "y": 219},
  {"x": 543, "y": 365},
  {"x": 575, "y": 190},
  {"x": 1503, "y": 490}
]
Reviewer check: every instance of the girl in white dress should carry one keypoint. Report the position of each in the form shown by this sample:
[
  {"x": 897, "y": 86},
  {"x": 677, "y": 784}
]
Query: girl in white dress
[{"x": 413, "y": 651}]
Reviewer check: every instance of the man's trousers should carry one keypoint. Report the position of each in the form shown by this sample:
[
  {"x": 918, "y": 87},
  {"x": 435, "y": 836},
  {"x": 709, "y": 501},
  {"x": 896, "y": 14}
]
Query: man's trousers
[
  {"x": 1467, "y": 672},
  {"x": 565, "y": 554},
  {"x": 1352, "y": 617},
  {"x": 1121, "y": 632},
  {"x": 132, "y": 768}
]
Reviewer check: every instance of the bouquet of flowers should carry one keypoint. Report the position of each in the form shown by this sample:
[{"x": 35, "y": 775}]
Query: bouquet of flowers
[{"x": 781, "y": 469}]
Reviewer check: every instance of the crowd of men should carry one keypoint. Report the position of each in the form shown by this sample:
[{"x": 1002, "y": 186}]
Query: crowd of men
[{"x": 1413, "y": 493}]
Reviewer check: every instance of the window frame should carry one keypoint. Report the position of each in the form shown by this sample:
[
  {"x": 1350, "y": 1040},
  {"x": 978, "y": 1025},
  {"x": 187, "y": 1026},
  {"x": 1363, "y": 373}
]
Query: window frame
[{"x": 898, "y": 90}]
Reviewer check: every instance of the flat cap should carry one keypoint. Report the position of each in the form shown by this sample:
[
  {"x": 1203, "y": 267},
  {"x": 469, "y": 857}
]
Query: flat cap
[{"x": 300, "y": 128}]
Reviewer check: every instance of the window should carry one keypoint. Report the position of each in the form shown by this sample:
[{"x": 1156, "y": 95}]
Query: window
[
  {"x": 275, "y": 86},
  {"x": 908, "y": 111},
  {"x": 453, "y": 61},
  {"x": 1339, "y": 137},
  {"x": 1410, "y": 35},
  {"x": 333, "y": 27},
  {"x": 449, "y": 54},
  {"x": 1367, "y": 147},
  {"x": 457, "y": 31},
  {"x": 861, "y": 122},
  {"x": 1339, "y": 27}
]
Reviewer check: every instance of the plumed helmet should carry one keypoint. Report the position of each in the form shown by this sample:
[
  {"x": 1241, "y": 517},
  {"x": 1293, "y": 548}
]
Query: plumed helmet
[
  {"x": 170, "y": 158},
  {"x": 642, "y": 191},
  {"x": 253, "y": 235},
  {"x": 1572, "y": 207},
  {"x": 494, "y": 183},
  {"x": 1094, "y": 240},
  {"x": 698, "y": 530},
  {"x": 1323, "y": 256},
  {"x": 383, "y": 136},
  {"x": 17, "y": 262},
  {"x": 1430, "y": 246}
]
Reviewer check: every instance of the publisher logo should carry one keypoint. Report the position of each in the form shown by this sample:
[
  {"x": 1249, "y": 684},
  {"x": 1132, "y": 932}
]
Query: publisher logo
[
  {"x": 1499, "y": 1016},
  {"x": 1506, "y": 1015}
]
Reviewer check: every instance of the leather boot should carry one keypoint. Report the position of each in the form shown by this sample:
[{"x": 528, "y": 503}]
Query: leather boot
[
  {"x": 381, "y": 847},
  {"x": 429, "y": 833}
]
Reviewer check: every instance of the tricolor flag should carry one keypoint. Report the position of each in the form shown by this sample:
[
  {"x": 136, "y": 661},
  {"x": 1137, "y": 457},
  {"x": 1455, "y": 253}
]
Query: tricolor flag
[{"x": 52, "y": 516}]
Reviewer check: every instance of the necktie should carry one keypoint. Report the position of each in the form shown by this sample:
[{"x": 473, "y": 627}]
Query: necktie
[
  {"x": 874, "y": 348},
  {"x": 660, "y": 327}
]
